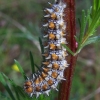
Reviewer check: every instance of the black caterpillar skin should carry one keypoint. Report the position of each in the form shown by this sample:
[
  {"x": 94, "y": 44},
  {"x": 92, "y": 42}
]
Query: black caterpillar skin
[{"x": 55, "y": 63}]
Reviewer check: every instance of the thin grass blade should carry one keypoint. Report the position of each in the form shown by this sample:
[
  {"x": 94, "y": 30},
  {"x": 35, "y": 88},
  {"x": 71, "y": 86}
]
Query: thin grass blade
[
  {"x": 68, "y": 49},
  {"x": 2, "y": 80},
  {"x": 32, "y": 62},
  {"x": 37, "y": 67},
  {"x": 41, "y": 45},
  {"x": 21, "y": 70},
  {"x": 92, "y": 40}
]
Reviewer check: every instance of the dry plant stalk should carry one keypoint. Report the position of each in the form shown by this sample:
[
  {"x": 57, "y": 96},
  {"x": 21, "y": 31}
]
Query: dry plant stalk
[{"x": 65, "y": 86}]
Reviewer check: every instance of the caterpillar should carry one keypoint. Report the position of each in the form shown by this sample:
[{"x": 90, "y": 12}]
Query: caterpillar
[{"x": 53, "y": 67}]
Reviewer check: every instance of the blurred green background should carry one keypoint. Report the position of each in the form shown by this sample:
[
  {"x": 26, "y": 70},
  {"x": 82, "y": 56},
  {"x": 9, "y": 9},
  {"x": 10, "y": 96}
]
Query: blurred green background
[{"x": 20, "y": 27}]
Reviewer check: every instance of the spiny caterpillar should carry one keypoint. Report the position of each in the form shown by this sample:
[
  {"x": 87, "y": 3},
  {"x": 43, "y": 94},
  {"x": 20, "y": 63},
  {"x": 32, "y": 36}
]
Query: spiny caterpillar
[{"x": 52, "y": 69}]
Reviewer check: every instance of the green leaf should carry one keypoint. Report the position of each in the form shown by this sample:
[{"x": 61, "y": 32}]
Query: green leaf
[
  {"x": 84, "y": 20},
  {"x": 37, "y": 66},
  {"x": 10, "y": 81},
  {"x": 21, "y": 92},
  {"x": 42, "y": 48},
  {"x": 16, "y": 92},
  {"x": 79, "y": 22},
  {"x": 94, "y": 24},
  {"x": 32, "y": 62},
  {"x": 68, "y": 49},
  {"x": 6, "y": 87},
  {"x": 96, "y": 6},
  {"x": 15, "y": 87},
  {"x": 41, "y": 97},
  {"x": 76, "y": 38},
  {"x": 20, "y": 68},
  {"x": 92, "y": 40},
  {"x": 83, "y": 25},
  {"x": 89, "y": 22}
]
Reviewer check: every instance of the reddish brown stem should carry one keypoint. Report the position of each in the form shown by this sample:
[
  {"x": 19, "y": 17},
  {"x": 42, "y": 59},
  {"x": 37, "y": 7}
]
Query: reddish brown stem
[{"x": 65, "y": 86}]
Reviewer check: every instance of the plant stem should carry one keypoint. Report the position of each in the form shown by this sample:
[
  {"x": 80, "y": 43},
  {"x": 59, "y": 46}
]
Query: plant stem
[{"x": 65, "y": 86}]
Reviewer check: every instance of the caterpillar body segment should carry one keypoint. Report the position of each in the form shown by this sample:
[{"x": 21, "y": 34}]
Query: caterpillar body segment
[{"x": 53, "y": 67}]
